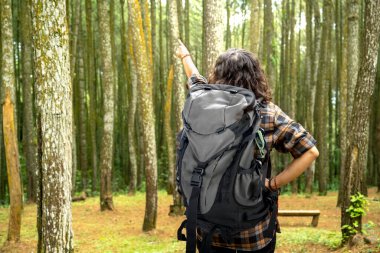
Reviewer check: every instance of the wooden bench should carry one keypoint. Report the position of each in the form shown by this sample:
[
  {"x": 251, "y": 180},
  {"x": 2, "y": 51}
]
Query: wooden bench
[{"x": 314, "y": 213}]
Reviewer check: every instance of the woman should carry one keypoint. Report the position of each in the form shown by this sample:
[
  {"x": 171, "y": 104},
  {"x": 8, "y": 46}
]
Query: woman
[{"x": 241, "y": 68}]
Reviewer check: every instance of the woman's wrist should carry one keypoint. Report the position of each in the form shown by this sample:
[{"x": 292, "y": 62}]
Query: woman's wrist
[
  {"x": 272, "y": 184},
  {"x": 184, "y": 56}
]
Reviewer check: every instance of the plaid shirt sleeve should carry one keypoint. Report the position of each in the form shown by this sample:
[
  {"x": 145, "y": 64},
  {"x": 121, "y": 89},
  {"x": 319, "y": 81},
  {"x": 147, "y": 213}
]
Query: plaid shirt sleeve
[
  {"x": 290, "y": 136},
  {"x": 196, "y": 79}
]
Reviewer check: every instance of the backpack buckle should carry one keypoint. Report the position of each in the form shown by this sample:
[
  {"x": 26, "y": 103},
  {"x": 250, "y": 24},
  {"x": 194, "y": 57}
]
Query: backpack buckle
[{"x": 197, "y": 177}]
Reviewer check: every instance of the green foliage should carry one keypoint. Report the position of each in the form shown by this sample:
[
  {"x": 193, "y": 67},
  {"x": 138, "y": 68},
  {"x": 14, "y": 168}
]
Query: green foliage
[{"x": 357, "y": 209}]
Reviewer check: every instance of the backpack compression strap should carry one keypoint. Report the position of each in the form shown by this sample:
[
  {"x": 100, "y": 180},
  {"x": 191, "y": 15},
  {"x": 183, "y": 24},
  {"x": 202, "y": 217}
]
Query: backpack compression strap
[{"x": 191, "y": 225}]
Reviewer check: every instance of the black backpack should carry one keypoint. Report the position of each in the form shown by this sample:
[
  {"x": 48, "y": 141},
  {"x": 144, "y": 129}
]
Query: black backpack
[{"x": 221, "y": 180}]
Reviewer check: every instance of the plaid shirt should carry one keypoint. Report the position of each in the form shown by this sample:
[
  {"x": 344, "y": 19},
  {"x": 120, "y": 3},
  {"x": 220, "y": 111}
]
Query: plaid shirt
[{"x": 281, "y": 133}]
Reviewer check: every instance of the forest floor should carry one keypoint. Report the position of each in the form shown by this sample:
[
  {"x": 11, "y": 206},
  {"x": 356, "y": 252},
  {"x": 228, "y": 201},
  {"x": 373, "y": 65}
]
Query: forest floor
[{"x": 121, "y": 230}]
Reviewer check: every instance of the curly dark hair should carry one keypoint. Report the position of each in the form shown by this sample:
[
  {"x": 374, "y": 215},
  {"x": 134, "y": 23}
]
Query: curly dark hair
[{"x": 241, "y": 68}]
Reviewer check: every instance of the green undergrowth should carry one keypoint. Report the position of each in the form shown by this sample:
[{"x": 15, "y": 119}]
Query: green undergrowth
[
  {"x": 136, "y": 244},
  {"x": 307, "y": 236}
]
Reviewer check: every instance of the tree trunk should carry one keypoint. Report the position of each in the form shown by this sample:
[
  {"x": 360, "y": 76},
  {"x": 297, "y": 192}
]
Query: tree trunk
[
  {"x": 29, "y": 135},
  {"x": 343, "y": 114},
  {"x": 91, "y": 89},
  {"x": 147, "y": 116},
  {"x": 187, "y": 23},
  {"x": 255, "y": 26},
  {"x": 54, "y": 100},
  {"x": 213, "y": 33},
  {"x": 179, "y": 94},
  {"x": 321, "y": 103},
  {"x": 82, "y": 122},
  {"x": 13, "y": 169},
  {"x": 168, "y": 135},
  {"x": 9, "y": 123},
  {"x": 73, "y": 54},
  {"x": 308, "y": 84},
  {"x": 130, "y": 78},
  {"x": 131, "y": 128},
  {"x": 228, "y": 33},
  {"x": 292, "y": 75},
  {"x": 106, "y": 153},
  {"x": 353, "y": 53},
  {"x": 357, "y": 150},
  {"x": 316, "y": 54},
  {"x": 268, "y": 53},
  {"x": 377, "y": 133},
  {"x": 180, "y": 18}
]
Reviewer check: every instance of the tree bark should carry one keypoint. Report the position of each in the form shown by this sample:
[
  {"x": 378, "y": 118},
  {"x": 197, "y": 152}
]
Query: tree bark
[
  {"x": 268, "y": 53},
  {"x": 10, "y": 123},
  {"x": 91, "y": 81},
  {"x": 308, "y": 84},
  {"x": 13, "y": 169},
  {"x": 179, "y": 94},
  {"x": 343, "y": 115},
  {"x": 321, "y": 103},
  {"x": 82, "y": 108},
  {"x": 187, "y": 23},
  {"x": 228, "y": 33},
  {"x": 292, "y": 75},
  {"x": 168, "y": 135},
  {"x": 255, "y": 26},
  {"x": 147, "y": 114},
  {"x": 357, "y": 150},
  {"x": 377, "y": 131},
  {"x": 132, "y": 126},
  {"x": 353, "y": 53},
  {"x": 73, "y": 54},
  {"x": 213, "y": 33},
  {"x": 106, "y": 153},
  {"x": 130, "y": 72},
  {"x": 29, "y": 134},
  {"x": 54, "y": 100}
]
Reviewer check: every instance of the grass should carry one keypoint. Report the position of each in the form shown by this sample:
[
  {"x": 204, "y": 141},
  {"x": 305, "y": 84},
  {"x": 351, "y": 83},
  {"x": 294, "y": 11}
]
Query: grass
[{"x": 121, "y": 230}]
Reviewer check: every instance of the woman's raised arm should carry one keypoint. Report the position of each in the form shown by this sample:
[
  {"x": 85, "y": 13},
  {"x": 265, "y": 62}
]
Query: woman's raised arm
[{"x": 184, "y": 54}]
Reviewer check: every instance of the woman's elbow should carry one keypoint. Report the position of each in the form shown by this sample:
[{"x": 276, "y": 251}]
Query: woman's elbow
[{"x": 314, "y": 152}]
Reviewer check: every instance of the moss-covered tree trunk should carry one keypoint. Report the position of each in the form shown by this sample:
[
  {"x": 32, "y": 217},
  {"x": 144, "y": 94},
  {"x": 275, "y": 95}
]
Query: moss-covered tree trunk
[
  {"x": 145, "y": 79},
  {"x": 179, "y": 94},
  {"x": 128, "y": 60},
  {"x": 187, "y": 23},
  {"x": 357, "y": 150},
  {"x": 255, "y": 26},
  {"x": 228, "y": 32},
  {"x": 213, "y": 33},
  {"x": 54, "y": 100},
  {"x": 106, "y": 150},
  {"x": 171, "y": 185},
  {"x": 9, "y": 122}
]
